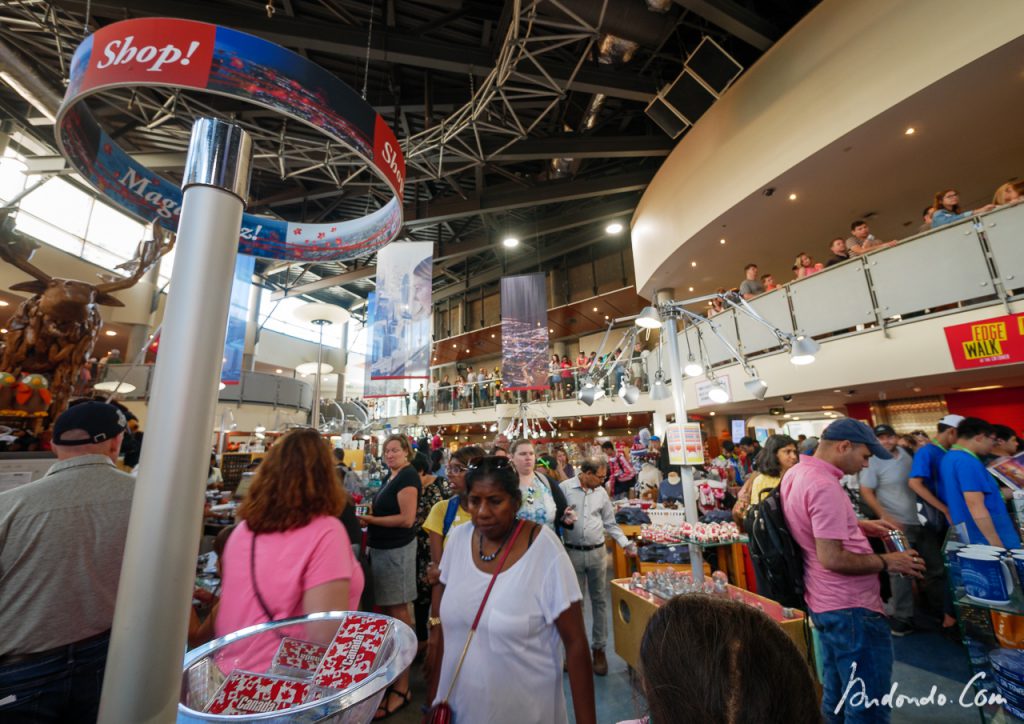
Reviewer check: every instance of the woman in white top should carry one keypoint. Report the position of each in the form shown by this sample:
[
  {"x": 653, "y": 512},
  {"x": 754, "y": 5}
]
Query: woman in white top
[
  {"x": 512, "y": 671},
  {"x": 542, "y": 502}
]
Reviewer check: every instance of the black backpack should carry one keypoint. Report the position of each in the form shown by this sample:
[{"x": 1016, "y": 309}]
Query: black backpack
[{"x": 776, "y": 556}]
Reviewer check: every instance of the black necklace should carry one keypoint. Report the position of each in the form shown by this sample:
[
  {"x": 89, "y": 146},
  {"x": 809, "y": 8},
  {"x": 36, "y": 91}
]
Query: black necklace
[{"x": 492, "y": 556}]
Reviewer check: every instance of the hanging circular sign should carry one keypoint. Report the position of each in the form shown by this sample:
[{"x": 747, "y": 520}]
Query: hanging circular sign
[{"x": 184, "y": 54}]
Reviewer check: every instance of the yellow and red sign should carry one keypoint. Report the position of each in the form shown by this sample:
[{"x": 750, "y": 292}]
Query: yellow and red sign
[{"x": 988, "y": 342}]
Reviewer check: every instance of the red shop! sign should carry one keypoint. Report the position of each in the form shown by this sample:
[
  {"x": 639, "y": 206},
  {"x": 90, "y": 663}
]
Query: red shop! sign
[{"x": 988, "y": 342}]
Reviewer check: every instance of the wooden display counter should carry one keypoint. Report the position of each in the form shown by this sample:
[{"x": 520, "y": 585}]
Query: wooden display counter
[{"x": 633, "y": 609}]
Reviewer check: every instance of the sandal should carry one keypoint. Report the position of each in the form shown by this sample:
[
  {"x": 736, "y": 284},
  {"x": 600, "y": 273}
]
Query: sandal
[{"x": 383, "y": 712}]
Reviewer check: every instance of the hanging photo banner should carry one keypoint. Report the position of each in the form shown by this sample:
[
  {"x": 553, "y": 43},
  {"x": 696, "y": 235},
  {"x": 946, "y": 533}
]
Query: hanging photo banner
[
  {"x": 376, "y": 388},
  {"x": 524, "y": 332},
  {"x": 238, "y": 317},
  {"x": 685, "y": 446},
  {"x": 182, "y": 54},
  {"x": 401, "y": 325}
]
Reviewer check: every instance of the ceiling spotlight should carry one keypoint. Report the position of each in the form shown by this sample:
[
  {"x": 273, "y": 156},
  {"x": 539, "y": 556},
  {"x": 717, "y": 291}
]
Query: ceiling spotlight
[
  {"x": 510, "y": 242},
  {"x": 591, "y": 393},
  {"x": 712, "y": 413},
  {"x": 693, "y": 368},
  {"x": 756, "y": 387},
  {"x": 792, "y": 197},
  {"x": 718, "y": 393},
  {"x": 3, "y": 303},
  {"x": 803, "y": 350},
  {"x": 629, "y": 394},
  {"x": 909, "y": 131},
  {"x": 613, "y": 228},
  {"x": 691, "y": 289},
  {"x": 693, "y": 263},
  {"x": 595, "y": 309},
  {"x": 721, "y": 241},
  {"x": 110, "y": 333},
  {"x": 649, "y": 318},
  {"x": 278, "y": 370},
  {"x": 3, "y": 330},
  {"x": 492, "y": 335}
]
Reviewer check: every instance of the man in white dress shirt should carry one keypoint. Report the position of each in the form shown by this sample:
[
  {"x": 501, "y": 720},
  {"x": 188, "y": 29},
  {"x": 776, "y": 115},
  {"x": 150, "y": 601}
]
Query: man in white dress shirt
[{"x": 586, "y": 494}]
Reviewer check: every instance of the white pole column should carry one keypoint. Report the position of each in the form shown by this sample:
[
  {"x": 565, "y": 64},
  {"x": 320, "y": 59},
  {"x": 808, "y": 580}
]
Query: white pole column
[
  {"x": 143, "y": 675},
  {"x": 319, "y": 374},
  {"x": 685, "y": 472}
]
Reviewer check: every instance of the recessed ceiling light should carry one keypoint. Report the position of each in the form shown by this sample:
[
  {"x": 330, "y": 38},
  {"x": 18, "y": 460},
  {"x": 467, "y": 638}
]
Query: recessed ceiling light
[
  {"x": 492, "y": 335},
  {"x": 3, "y": 303},
  {"x": 595, "y": 309},
  {"x": 467, "y": 350},
  {"x": 606, "y": 316},
  {"x": 455, "y": 346},
  {"x": 551, "y": 331},
  {"x": 691, "y": 289},
  {"x": 792, "y": 197},
  {"x": 693, "y": 263},
  {"x": 613, "y": 228},
  {"x": 510, "y": 242},
  {"x": 110, "y": 333},
  {"x": 828, "y": 407},
  {"x": 721, "y": 241},
  {"x": 909, "y": 131},
  {"x": 916, "y": 389},
  {"x": 712, "y": 413},
  {"x": 3, "y": 331},
  {"x": 278, "y": 370}
]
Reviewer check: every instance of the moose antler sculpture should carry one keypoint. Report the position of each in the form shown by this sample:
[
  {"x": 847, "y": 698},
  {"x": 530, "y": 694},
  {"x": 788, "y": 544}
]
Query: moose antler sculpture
[{"x": 53, "y": 332}]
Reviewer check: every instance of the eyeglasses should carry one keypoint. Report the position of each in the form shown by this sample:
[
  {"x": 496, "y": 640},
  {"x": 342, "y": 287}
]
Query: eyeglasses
[
  {"x": 456, "y": 469},
  {"x": 495, "y": 461}
]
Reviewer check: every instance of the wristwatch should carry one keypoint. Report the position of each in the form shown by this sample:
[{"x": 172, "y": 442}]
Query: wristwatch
[{"x": 433, "y": 621}]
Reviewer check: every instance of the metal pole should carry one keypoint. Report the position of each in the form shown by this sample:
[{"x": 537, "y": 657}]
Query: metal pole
[
  {"x": 319, "y": 372},
  {"x": 685, "y": 473},
  {"x": 143, "y": 675}
]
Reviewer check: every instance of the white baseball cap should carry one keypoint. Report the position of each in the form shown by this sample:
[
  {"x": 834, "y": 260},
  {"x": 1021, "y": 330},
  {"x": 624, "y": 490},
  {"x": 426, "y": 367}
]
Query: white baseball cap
[{"x": 951, "y": 420}]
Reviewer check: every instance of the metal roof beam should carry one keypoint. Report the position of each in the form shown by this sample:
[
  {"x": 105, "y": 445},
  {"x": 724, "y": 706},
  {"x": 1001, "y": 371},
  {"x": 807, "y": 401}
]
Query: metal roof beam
[{"x": 736, "y": 20}]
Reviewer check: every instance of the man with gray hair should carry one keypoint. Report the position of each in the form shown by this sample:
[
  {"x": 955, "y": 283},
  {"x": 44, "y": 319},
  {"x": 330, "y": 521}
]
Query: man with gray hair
[
  {"x": 61, "y": 543},
  {"x": 584, "y": 542}
]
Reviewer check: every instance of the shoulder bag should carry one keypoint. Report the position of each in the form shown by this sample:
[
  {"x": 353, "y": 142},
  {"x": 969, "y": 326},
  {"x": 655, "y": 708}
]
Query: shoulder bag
[{"x": 441, "y": 712}]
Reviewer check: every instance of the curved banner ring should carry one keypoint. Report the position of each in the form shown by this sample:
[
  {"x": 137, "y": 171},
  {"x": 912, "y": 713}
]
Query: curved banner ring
[{"x": 174, "y": 53}]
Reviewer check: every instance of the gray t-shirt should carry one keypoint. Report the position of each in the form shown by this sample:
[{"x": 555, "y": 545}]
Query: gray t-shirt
[
  {"x": 752, "y": 286},
  {"x": 888, "y": 478},
  {"x": 61, "y": 544}
]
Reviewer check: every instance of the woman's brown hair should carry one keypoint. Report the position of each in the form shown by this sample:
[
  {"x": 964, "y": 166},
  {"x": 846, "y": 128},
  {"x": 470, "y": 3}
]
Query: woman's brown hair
[
  {"x": 939, "y": 204},
  {"x": 296, "y": 482},
  {"x": 706, "y": 659},
  {"x": 403, "y": 442}
]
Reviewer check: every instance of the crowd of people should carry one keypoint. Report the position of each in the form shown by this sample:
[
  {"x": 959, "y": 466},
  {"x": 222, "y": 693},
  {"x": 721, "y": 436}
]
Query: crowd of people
[
  {"x": 944, "y": 209},
  {"x": 531, "y": 529}
]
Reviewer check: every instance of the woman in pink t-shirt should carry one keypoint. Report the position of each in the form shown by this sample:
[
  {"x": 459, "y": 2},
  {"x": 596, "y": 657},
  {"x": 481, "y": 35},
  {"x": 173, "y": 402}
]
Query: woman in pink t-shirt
[{"x": 290, "y": 555}]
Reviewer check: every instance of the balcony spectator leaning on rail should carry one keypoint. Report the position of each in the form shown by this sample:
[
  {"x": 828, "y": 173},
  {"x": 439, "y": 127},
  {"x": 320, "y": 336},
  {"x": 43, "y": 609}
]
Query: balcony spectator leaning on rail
[
  {"x": 61, "y": 543},
  {"x": 839, "y": 252},
  {"x": 1009, "y": 193},
  {"x": 841, "y": 571},
  {"x": 947, "y": 208},
  {"x": 804, "y": 265},
  {"x": 751, "y": 286},
  {"x": 926, "y": 219},
  {"x": 861, "y": 240}
]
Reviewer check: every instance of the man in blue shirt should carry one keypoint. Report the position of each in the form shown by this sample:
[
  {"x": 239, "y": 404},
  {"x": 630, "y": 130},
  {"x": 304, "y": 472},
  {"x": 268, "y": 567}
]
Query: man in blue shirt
[
  {"x": 925, "y": 482},
  {"x": 972, "y": 495}
]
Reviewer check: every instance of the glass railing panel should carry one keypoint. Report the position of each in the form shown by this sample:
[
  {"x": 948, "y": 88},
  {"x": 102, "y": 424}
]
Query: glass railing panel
[
  {"x": 1004, "y": 229},
  {"x": 834, "y": 300},
  {"x": 943, "y": 267},
  {"x": 774, "y": 307}
]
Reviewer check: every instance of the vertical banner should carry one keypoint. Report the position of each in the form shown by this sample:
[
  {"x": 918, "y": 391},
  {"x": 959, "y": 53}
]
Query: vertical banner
[
  {"x": 524, "y": 332},
  {"x": 376, "y": 388},
  {"x": 238, "y": 315},
  {"x": 401, "y": 328}
]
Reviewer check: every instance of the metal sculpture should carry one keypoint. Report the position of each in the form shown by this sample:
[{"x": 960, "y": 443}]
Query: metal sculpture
[{"x": 53, "y": 332}]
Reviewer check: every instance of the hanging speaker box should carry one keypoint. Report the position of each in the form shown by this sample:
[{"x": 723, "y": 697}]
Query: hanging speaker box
[
  {"x": 666, "y": 119},
  {"x": 713, "y": 66}
]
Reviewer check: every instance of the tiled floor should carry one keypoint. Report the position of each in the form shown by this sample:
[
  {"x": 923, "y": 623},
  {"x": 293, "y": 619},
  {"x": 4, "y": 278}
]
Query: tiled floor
[{"x": 923, "y": 660}]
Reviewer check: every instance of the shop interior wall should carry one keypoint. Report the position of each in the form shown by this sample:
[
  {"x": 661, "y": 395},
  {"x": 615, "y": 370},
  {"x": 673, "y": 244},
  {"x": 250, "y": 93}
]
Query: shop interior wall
[
  {"x": 842, "y": 65},
  {"x": 1003, "y": 406}
]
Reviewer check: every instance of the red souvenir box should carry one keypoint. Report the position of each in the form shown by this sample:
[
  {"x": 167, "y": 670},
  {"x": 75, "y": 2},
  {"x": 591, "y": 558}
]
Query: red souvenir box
[
  {"x": 351, "y": 656},
  {"x": 297, "y": 658},
  {"x": 245, "y": 692}
]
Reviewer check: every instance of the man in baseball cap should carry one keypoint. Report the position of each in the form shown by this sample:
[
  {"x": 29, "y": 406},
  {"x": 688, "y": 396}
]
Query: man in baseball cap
[
  {"x": 61, "y": 543},
  {"x": 841, "y": 586},
  {"x": 925, "y": 483}
]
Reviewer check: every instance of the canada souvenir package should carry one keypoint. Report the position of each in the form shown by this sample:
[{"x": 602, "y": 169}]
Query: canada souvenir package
[
  {"x": 351, "y": 656},
  {"x": 245, "y": 692},
  {"x": 304, "y": 671}
]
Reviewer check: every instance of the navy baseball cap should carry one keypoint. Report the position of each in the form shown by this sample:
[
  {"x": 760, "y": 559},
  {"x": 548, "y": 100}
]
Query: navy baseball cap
[
  {"x": 99, "y": 420},
  {"x": 856, "y": 431}
]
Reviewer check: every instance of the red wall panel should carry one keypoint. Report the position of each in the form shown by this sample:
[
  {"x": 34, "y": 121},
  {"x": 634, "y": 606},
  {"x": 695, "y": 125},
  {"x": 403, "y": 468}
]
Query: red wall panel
[{"x": 1003, "y": 406}]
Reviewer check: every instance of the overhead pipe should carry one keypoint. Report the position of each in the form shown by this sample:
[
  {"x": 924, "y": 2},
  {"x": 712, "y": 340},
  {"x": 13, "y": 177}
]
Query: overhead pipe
[{"x": 13, "y": 62}]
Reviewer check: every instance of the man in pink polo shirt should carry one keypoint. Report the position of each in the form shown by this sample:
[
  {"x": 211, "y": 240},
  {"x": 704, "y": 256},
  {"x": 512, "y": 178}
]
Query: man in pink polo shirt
[{"x": 841, "y": 573}]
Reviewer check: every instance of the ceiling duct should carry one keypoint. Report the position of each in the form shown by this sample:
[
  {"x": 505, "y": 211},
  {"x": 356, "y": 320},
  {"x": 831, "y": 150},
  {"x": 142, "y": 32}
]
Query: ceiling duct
[
  {"x": 44, "y": 97},
  {"x": 612, "y": 50}
]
